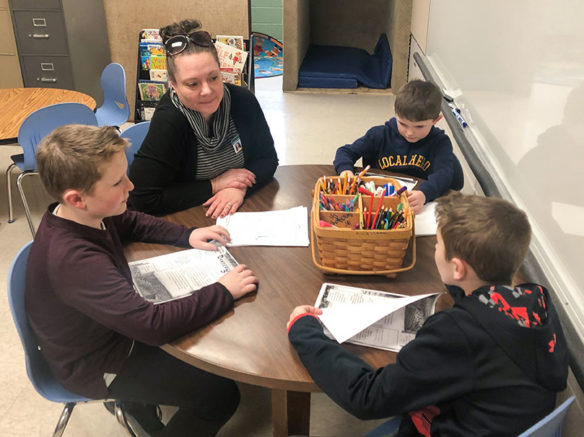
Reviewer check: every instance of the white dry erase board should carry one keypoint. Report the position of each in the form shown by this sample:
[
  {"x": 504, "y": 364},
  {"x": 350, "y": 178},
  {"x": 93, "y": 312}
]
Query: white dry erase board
[{"x": 517, "y": 70}]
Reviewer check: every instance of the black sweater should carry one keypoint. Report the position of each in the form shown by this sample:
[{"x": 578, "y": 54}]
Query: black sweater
[
  {"x": 164, "y": 169},
  {"x": 487, "y": 375}
]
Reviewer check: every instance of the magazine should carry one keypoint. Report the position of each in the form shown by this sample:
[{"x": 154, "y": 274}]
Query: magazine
[
  {"x": 371, "y": 317},
  {"x": 159, "y": 75},
  {"x": 152, "y": 56},
  {"x": 232, "y": 40},
  {"x": 230, "y": 57},
  {"x": 150, "y": 35},
  {"x": 230, "y": 75},
  {"x": 151, "y": 91},
  {"x": 176, "y": 275}
]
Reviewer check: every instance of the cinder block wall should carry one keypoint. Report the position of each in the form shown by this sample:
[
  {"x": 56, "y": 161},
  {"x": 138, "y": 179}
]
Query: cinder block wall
[{"x": 266, "y": 17}]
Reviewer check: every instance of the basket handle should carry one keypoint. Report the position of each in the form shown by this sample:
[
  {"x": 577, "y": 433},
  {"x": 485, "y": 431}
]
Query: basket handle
[{"x": 359, "y": 272}]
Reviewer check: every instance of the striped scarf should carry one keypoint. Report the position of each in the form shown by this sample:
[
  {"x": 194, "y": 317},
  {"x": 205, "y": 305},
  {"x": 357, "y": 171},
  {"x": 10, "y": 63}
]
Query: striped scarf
[{"x": 200, "y": 126}]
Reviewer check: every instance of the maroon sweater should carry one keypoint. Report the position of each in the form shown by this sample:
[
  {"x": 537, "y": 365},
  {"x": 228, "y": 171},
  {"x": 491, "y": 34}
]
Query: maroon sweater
[{"x": 83, "y": 308}]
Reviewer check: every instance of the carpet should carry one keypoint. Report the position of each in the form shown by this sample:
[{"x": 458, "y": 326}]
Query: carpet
[{"x": 268, "y": 55}]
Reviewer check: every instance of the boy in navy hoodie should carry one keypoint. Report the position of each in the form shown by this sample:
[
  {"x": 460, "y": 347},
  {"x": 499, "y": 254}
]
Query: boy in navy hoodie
[
  {"x": 489, "y": 366},
  {"x": 409, "y": 143}
]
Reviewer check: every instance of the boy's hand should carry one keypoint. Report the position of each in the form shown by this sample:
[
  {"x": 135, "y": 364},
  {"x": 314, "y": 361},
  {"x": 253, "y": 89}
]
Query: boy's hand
[
  {"x": 199, "y": 238},
  {"x": 239, "y": 281},
  {"x": 301, "y": 310},
  {"x": 349, "y": 174},
  {"x": 240, "y": 178},
  {"x": 416, "y": 199},
  {"x": 225, "y": 202}
]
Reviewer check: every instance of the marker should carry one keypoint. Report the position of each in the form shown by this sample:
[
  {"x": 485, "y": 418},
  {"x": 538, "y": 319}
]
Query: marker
[
  {"x": 401, "y": 190},
  {"x": 459, "y": 118}
]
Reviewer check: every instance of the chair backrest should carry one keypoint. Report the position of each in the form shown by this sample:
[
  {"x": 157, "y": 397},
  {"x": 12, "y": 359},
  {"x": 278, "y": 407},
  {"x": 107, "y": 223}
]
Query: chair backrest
[
  {"x": 135, "y": 134},
  {"x": 44, "y": 120},
  {"x": 386, "y": 429},
  {"x": 115, "y": 110},
  {"x": 550, "y": 425},
  {"x": 37, "y": 368}
]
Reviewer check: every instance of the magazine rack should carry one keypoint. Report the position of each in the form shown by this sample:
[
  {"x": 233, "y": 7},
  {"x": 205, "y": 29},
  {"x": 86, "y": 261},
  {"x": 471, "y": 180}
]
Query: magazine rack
[{"x": 144, "y": 108}]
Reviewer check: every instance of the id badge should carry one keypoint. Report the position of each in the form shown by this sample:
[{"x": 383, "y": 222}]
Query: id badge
[{"x": 237, "y": 146}]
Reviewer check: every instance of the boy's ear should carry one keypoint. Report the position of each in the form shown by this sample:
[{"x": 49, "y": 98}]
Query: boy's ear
[
  {"x": 460, "y": 269},
  {"x": 437, "y": 119},
  {"x": 74, "y": 198}
]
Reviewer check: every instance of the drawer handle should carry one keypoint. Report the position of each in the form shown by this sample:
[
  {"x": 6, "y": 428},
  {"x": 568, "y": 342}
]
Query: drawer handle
[
  {"x": 39, "y": 35},
  {"x": 47, "y": 79},
  {"x": 39, "y": 22}
]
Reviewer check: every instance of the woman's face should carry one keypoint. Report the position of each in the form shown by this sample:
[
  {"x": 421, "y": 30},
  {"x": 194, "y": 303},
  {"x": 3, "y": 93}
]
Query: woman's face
[{"x": 198, "y": 82}]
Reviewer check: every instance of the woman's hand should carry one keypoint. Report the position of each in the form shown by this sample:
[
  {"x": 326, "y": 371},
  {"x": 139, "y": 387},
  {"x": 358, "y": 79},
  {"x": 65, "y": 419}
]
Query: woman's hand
[
  {"x": 225, "y": 202},
  {"x": 199, "y": 238},
  {"x": 239, "y": 281},
  {"x": 240, "y": 178},
  {"x": 301, "y": 310}
]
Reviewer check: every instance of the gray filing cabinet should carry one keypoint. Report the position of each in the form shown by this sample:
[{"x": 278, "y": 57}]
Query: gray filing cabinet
[{"x": 61, "y": 43}]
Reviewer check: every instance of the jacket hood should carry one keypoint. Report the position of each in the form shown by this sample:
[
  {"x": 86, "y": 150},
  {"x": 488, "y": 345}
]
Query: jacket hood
[{"x": 524, "y": 323}]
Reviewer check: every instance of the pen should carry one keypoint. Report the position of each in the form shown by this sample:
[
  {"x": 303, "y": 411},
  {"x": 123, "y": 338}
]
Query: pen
[{"x": 378, "y": 208}]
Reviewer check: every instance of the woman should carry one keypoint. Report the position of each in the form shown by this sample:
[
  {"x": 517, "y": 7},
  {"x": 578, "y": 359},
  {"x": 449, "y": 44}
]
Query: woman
[{"x": 208, "y": 142}]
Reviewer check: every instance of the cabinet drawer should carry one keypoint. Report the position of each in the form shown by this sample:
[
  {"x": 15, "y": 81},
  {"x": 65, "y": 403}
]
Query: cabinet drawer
[
  {"x": 36, "y": 4},
  {"x": 47, "y": 72},
  {"x": 41, "y": 32}
]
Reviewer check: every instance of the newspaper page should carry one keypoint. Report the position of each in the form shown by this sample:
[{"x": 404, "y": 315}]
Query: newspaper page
[
  {"x": 371, "y": 317},
  {"x": 168, "y": 277}
]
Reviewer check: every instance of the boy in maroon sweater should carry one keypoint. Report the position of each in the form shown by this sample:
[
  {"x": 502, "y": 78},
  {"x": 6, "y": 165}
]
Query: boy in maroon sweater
[{"x": 98, "y": 335}]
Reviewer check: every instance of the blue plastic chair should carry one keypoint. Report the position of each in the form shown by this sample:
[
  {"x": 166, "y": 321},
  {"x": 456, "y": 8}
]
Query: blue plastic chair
[
  {"x": 386, "y": 428},
  {"x": 115, "y": 110},
  {"x": 33, "y": 129},
  {"x": 135, "y": 134},
  {"x": 37, "y": 368},
  {"x": 550, "y": 425}
]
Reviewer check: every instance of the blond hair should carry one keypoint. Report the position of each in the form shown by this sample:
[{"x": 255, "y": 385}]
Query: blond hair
[
  {"x": 490, "y": 234},
  {"x": 418, "y": 100},
  {"x": 71, "y": 156}
]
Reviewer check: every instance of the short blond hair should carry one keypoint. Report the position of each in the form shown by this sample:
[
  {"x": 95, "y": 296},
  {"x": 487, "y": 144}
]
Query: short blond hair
[
  {"x": 70, "y": 157},
  {"x": 490, "y": 234}
]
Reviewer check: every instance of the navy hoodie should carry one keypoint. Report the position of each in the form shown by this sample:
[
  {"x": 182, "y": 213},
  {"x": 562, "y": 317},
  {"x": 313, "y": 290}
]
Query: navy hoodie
[
  {"x": 384, "y": 148},
  {"x": 489, "y": 366}
]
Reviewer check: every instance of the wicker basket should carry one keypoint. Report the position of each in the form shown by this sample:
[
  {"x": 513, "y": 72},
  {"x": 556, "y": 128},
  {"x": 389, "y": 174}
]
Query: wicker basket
[{"x": 345, "y": 250}]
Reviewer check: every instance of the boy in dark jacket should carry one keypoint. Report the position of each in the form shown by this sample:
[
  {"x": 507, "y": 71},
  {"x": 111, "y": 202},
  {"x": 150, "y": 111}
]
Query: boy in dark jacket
[
  {"x": 409, "y": 143},
  {"x": 489, "y": 366}
]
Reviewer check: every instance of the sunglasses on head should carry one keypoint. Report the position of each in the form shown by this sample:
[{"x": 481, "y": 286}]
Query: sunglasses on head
[{"x": 178, "y": 43}]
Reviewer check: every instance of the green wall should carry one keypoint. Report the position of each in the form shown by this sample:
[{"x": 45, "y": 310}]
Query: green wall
[{"x": 266, "y": 17}]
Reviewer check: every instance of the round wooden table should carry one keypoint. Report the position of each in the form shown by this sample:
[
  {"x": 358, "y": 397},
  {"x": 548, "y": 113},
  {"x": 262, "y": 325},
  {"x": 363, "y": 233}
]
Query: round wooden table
[
  {"x": 18, "y": 103},
  {"x": 250, "y": 343}
]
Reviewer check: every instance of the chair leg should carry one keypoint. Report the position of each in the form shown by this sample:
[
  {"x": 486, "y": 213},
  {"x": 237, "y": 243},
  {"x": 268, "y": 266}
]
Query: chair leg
[
  {"x": 64, "y": 419},
  {"x": 9, "y": 192},
  {"x": 24, "y": 202}
]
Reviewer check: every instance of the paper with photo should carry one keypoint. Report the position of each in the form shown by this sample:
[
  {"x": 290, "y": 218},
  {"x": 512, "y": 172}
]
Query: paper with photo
[
  {"x": 287, "y": 227},
  {"x": 346, "y": 319}
]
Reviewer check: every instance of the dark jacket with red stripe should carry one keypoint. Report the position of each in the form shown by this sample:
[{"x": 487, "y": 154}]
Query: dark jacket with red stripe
[{"x": 489, "y": 366}]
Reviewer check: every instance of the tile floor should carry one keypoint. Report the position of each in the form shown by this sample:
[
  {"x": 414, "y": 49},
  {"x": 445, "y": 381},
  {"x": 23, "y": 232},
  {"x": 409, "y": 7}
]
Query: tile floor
[{"x": 307, "y": 128}]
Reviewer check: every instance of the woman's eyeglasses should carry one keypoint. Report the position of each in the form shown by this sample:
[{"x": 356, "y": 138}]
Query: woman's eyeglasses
[{"x": 178, "y": 43}]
